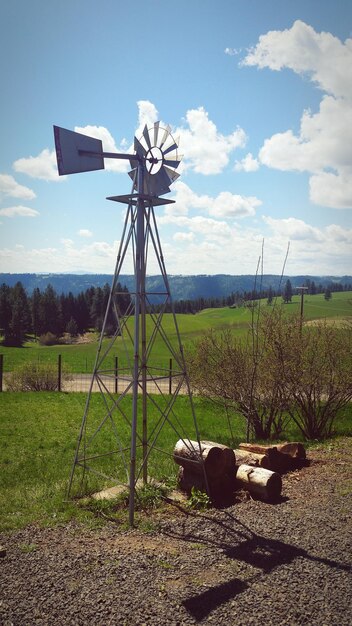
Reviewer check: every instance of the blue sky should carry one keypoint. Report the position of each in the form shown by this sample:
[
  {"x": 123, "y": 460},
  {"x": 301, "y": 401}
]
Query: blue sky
[{"x": 259, "y": 92}]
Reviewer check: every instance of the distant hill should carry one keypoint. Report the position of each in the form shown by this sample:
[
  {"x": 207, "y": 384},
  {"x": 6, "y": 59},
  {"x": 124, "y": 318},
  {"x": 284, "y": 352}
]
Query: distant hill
[{"x": 182, "y": 287}]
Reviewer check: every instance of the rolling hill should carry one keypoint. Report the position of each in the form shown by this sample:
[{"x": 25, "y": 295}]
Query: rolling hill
[{"x": 182, "y": 287}]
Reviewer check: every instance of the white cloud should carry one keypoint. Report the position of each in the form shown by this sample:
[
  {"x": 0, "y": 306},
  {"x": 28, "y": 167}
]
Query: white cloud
[
  {"x": 313, "y": 250},
  {"x": 323, "y": 146},
  {"x": 332, "y": 190},
  {"x": 206, "y": 150},
  {"x": 10, "y": 187},
  {"x": 321, "y": 56},
  {"x": 230, "y": 205},
  {"x": 21, "y": 211},
  {"x": 43, "y": 166},
  {"x": 84, "y": 232},
  {"x": 68, "y": 243},
  {"x": 205, "y": 226},
  {"x": 232, "y": 51},
  {"x": 247, "y": 164},
  {"x": 292, "y": 228},
  {"x": 147, "y": 115},
  {"x": 338, "y": 234},
  {"x": 225, "y": 205},
  {"x": 203, "y": 245},
  {"x": 324, "y": 141},
  {"x": 181, "y": 236}
]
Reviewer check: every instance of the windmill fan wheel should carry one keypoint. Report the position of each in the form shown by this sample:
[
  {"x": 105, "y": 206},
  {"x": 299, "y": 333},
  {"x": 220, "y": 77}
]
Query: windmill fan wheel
[{"x": 158, "y": 151}]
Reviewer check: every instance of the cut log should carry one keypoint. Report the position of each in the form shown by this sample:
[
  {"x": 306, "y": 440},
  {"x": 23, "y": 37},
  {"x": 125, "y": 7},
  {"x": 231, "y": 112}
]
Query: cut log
[
  {"x": 283, "y": 457},
  {"x": 252, "y": 458},
  {"x": 294, "y": 449},
  {"x": 228, "y": 453},
  {"x": 220, "y": 488},
  {"x": 263, "y": 483},
  {"x": 188, "y": 454},
  {"x": 258, "y": 448}
]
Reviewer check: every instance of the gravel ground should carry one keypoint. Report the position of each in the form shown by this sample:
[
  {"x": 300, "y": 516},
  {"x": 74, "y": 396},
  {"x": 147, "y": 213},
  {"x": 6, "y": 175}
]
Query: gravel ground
[{"x": 288, "y": 563}]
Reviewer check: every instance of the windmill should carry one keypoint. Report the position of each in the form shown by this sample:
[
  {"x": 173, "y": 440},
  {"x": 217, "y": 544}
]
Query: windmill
[{"x": 117, "y": 439}]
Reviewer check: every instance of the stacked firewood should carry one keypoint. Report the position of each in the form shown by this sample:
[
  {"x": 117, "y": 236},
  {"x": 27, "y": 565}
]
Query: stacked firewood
[
  {"x": 210, "y": 467},
  {"x": 219, "y": 470},
  {"x": 283, "y": 457}
]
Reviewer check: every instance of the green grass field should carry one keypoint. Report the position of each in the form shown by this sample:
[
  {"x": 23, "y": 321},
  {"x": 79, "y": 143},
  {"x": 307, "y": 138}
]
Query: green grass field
[
  {"x": 38, "y": 434},
  {"x": 80, "y": 357}
]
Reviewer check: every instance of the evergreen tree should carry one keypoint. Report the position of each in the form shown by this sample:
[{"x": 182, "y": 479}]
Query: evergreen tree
[
  {"x": 35, "y": 310},
  {"x": 96, "y": 310},
  {"x": 50, "y": 313},
  {"x": 82, "y": 316},
  {"x": 20, "y": 323},
  {"x": 327, "y": 294},
  {"x": 287, "y": 294},
  {"x": 270, "y": 296},
  {"x": 5, "y": 309}
]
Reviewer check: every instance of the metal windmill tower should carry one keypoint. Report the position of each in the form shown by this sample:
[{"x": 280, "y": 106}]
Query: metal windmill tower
[{"x": 117, "y": 441}]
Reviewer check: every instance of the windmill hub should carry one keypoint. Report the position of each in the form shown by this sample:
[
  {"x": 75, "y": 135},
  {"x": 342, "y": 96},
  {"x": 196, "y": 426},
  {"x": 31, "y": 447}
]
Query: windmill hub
[{"x": 154, "y": 160}]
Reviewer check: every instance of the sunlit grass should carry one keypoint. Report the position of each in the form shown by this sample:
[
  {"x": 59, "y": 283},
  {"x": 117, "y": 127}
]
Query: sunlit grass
[
  {"x": 38, "y": 434},
  {"x": 80, "y": 358}
]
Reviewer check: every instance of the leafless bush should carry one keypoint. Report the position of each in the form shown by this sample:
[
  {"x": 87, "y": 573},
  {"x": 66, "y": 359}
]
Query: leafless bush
[
  {"x": 316, "y": 368},
  {"x": 48, "y": 339},
  {"x": 228, "y": 371},
  {"x": 35, "y": 376},
  {"x": 288, "y": 371}
]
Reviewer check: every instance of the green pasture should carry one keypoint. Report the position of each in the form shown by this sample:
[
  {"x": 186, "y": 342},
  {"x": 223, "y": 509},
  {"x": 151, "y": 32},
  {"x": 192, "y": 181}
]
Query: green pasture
[
  {"x": 38, "y": 434},
  {"x": 80, "y": 357}
]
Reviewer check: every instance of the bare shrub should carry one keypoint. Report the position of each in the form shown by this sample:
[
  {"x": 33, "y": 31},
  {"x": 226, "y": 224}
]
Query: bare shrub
[
  {"x": 282, "y": 371},
  {"x": 229, "y": 372},
  {"x": 48, "y": 339},
  {"x": 316, "y": 367},
  {"x": 35, "y": 376}
]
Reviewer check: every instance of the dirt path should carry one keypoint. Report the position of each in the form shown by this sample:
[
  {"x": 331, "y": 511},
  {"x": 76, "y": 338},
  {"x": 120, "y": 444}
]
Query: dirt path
[{"x": 252, "y": 563}]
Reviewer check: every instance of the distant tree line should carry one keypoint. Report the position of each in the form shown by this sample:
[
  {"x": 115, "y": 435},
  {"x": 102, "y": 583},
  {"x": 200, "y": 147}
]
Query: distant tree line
[
  {"x": 47, "y": 312},
  {"x": 246, "y": 298}
]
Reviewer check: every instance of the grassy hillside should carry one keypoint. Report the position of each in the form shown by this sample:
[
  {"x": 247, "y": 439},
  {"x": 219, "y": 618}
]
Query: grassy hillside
[{"x": 80, "y": 357}]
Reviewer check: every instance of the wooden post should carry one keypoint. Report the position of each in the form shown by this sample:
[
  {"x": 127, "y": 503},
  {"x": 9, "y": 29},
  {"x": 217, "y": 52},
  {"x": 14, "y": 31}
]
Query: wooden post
[
  {"x": 59, "y": 372},
  {"x": 116, "y": 373},
  {"x": 170, "y": 376},
  {"x": 1, "y": 370}
]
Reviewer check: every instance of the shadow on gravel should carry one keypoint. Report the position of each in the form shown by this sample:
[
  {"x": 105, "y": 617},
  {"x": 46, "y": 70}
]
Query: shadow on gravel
[
  {"x": 201, "y": 605},
  {"x": 237, "y": 541}
]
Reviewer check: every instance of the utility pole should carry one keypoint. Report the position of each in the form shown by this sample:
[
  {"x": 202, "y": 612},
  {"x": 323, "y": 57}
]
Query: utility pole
[{"x": 302, "y": 289}]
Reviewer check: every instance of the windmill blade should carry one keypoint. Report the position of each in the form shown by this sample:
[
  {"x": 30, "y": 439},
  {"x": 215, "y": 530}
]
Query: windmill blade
[
  {"x": 162, "y": 178},
  {"x": 167, "y": 132},
  {"x": 132, "y": 174},
  {"x": 141, "y": 151},
  {"x": 173, "y": 147},
  {"x": 172, "y": 163},
  {"x": 156, "y": 132},
  {"x": 171, "y": 174},
  {"x": 158, "y": 184},
  {"x": 146, "y": 136}
]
